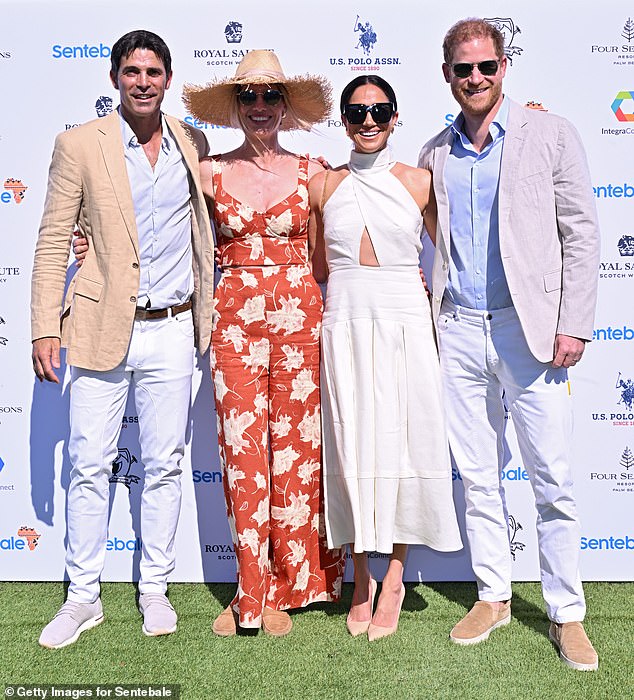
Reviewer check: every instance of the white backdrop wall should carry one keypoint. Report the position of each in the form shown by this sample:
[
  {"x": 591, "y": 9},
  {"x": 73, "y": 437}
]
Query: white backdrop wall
[{"x": 577, "y": 58}]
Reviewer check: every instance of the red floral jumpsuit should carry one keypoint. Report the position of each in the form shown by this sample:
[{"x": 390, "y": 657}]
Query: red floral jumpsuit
[{"x": 265, "y": 367}]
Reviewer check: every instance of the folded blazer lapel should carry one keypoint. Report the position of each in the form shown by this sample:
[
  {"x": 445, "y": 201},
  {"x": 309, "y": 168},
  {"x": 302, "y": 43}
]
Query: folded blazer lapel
[
  {"x": 440, "y": 190},
  {"x": 185, "y": 144},
  {"x": 514, "y": 140},
  {"x": 111, "y": 144}
]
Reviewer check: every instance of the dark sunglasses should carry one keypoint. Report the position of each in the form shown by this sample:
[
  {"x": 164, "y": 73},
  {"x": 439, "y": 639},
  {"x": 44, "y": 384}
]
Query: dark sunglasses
[
  {"x": 464, "y": 70},
  {"x": 381, "y": 112},
  {"x": 249, "y": 97}
]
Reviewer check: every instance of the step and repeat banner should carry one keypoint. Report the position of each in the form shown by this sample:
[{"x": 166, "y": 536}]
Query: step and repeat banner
[{"x": 574, "y": 58}]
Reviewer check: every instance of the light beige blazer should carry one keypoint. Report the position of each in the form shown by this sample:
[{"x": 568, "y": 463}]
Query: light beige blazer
[
  {"x": 549, "y": 233},
  {"x": 88, "y": 186}
]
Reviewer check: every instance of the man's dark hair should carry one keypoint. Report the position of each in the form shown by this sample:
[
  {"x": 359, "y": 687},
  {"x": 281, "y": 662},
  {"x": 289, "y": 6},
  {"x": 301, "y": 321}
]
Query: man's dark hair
[{"x": 140, "y": 39}]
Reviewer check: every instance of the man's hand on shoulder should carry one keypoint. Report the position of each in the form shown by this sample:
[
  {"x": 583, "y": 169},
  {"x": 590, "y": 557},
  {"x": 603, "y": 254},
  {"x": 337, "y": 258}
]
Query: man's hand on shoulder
[
  {"x": 568, "y": 351},
  {"x": 45, "y": 355}
]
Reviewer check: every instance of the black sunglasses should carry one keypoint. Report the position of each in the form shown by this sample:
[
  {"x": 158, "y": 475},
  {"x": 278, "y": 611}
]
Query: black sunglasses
[
  {"x": 381, "y": 112},
  {"x": 464, "y": 70},
  {"x": 271, "y": 97}
]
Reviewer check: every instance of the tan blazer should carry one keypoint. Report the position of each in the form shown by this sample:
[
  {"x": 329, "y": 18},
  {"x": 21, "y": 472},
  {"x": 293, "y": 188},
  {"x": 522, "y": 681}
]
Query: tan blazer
[
  {"x": 549, "y": 233},
  {"x": 88, "y": 186}
]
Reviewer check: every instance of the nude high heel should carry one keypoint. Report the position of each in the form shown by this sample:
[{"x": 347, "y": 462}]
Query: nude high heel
[
  {"x": 377, "y": 631},
  {"x": 357, "y": 627}
]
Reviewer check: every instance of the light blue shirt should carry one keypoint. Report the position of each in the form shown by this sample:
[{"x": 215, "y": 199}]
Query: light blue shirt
[
  {"x": 476, "y": 275},
  {"x": 161, "y": 199}
]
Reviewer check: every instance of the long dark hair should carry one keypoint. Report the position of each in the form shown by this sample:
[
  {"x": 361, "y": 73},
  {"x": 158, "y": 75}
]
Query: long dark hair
[{"x": 367, "y": 80}]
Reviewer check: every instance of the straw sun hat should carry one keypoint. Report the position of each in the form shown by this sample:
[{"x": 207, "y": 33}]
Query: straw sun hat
[{"x": 308, "y": 98}]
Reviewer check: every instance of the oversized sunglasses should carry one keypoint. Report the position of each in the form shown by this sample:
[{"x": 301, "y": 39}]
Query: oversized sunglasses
[
  {"x": 271, "y": 97},
  {"x": 464, "y": 70},
  {"x": 381, "y": 112}
]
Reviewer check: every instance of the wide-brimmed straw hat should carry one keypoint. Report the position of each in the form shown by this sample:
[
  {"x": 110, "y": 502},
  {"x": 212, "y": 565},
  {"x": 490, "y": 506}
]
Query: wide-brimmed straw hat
[{"x": 308, "y": 97}]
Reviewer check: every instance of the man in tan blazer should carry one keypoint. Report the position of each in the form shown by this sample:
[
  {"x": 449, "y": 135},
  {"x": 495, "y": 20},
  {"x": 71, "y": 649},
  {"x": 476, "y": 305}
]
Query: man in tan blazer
[
  {"x": 514, "y": 291},
  {"x": 130, "y": 183}
]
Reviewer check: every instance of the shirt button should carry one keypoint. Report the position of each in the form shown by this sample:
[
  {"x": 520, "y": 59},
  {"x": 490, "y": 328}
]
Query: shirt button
[
  {"x": 135, "y": 266},
  {"x": 133, "y": 300}
]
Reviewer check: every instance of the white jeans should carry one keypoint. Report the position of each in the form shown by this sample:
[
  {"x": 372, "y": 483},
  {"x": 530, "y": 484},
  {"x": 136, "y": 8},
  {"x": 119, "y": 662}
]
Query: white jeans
[
  {"x": 159, "y": 366},
  {"x": 483, "y": 356}
]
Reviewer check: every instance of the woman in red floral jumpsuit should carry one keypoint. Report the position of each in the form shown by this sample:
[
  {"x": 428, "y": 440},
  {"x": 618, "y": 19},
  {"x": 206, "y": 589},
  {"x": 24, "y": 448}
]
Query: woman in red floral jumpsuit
[{"x": 265, "y": 345}]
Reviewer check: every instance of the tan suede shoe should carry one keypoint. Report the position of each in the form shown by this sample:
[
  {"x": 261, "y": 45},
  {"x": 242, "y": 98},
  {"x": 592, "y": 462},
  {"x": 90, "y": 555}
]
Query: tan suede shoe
[
  {"x": 479, "y": 622},
  {"x": 225, "y": 625},
  {"x": 575, "y": 649},
  {"x": 277, "y": 623}
]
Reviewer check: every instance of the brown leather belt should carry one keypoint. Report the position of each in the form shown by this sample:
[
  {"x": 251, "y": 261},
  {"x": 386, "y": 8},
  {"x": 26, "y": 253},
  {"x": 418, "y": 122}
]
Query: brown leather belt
[{"x": 142, "y": 314}]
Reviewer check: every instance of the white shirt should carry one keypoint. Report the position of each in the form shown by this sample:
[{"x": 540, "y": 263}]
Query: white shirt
[{"x": 163, "y": 218}]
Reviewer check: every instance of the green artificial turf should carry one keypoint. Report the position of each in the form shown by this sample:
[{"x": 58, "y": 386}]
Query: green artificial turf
[{"x": 319, "y": 659}]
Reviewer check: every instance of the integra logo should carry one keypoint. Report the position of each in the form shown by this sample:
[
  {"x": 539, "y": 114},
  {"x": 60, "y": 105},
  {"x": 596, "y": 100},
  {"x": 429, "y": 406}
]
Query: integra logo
[{"x": 85, "y": 51}]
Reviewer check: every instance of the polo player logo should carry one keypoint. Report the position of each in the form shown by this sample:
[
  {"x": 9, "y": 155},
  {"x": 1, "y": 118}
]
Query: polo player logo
[
  {"x": 627, "y": 392},
  {"x": 233, "y": 33},
  {"x": 367, "y": 37},
  {"x": 626, "y": 246},
  {"x": 121, "y": 466},
  {"x": 509, "y": 30},
  {"x": 514, "y": 527},
  {"x": 103, "y": 106}
]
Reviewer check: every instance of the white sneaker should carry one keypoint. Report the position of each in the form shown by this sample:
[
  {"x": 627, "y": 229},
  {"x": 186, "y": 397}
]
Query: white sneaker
[
  {"x": 71, "y": 620},
  {"x": 159, "y": 617}
]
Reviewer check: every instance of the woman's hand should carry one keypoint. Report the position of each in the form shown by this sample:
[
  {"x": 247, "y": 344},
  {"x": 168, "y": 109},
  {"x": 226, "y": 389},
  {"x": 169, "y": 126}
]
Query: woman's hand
[{"x": 80, "y": 247}]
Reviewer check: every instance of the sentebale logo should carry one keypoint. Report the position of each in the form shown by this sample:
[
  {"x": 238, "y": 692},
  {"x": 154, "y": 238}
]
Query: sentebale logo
[{"x": 14, "y": 191}]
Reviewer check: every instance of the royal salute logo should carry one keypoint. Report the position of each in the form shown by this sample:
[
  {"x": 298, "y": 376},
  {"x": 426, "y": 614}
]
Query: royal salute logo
[
  {"x": 508, "y": 29},
  {"x": 222, "y": 551},
  {"x": 103, "y": 106},
  {"x": 621, "y": 268},
  {"x": 233, "y": 32},
  {"x": 229, "y": 54},
  {"x": 363, "y": 57},
  {"x": 620, "y": 51},
  {"x": 122, "y": 468},
  {"x": 514, "y": 527},
  {"x": 14, "y": 191},
  {"x": 7, "y": 274},
  {"x": 621, "y": 478}
]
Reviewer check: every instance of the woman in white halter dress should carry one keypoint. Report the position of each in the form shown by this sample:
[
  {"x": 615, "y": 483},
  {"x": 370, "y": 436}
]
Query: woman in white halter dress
[{"x": 386, "y": 468}]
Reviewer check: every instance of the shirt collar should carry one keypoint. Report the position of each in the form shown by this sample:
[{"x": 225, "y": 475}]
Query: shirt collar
[
  {"x": 129, "y": 137},
  {"x": 497, "y": 128}
]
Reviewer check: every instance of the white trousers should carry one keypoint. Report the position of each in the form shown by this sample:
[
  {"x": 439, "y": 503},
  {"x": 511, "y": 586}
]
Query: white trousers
[
  {"x": 159, "y": 367},
  {"x": 485, "y": 363}
]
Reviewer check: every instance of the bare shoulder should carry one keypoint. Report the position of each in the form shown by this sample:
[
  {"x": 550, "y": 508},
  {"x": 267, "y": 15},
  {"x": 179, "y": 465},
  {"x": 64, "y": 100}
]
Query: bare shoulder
[
  {"x": 314, "y": 167},
  {"x": 325, "y": 182},
  {"x": 417, "y": 179}
]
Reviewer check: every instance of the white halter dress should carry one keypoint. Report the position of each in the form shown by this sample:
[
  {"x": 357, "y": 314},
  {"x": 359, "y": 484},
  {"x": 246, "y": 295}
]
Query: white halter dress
[{"x": 387, "y": 474}]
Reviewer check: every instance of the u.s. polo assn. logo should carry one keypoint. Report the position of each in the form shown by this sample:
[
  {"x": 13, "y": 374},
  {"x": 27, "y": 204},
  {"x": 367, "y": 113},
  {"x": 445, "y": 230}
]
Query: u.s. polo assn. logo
[{"x": 364, "y": 56}]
